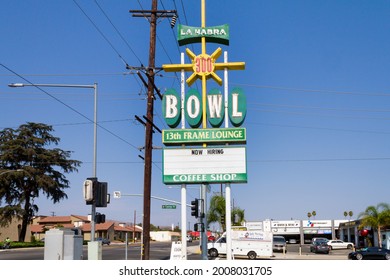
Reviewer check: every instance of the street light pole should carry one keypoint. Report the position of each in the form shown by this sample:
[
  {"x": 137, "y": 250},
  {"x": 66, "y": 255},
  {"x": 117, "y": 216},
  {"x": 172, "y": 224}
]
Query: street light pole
[{"x": 94, "y": 168}]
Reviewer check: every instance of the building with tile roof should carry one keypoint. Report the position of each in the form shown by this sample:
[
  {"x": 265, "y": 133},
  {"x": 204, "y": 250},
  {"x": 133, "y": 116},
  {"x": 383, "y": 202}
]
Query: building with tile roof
[{"x": 40, "y": 224}]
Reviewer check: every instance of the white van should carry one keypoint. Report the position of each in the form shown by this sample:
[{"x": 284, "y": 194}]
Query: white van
[{"x": 251, "y": 243}]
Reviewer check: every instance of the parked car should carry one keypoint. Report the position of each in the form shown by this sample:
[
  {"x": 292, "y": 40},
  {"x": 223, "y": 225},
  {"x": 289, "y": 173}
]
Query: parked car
[
  {"x": 322, "y": 239},
  {"x": 104, "y": 240},
  {"x": 189, "y": 238},
  {"x": 370, "y": 253},
  {"x": 279, "y": 244},
  {"x": 319, "y": 247},
  {"x": 339, "y": 244}
]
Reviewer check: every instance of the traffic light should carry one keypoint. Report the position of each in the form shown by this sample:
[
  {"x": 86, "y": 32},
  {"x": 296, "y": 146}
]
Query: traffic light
[
  {"x": 101, "y": 194},
  {"x": 96, "y": 192},
  {"x": 223, "y": 219},
  {"x": 195, "y": 208},
  {"x": 199, "y": 227},
  {"x": 100, "y": 218}
]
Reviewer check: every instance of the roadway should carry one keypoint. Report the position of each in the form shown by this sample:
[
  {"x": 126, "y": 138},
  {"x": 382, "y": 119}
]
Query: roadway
[
  {"x": 158, "y": 251},
  {"x": 161, "y": 251}
]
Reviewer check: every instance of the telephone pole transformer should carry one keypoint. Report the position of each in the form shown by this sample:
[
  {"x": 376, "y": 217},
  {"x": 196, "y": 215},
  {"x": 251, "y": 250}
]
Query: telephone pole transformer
[{"x": 153, "y": 15}]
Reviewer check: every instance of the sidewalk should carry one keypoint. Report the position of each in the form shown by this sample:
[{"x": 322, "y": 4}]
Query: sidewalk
[
  {"x": 305, "y": 256},
  {"x": 194, "y": 253}
]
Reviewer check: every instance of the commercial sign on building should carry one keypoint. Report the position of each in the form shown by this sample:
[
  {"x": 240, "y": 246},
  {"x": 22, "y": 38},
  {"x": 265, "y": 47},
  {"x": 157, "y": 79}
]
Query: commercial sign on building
[
  {"x": 286, "y": 224},
  {"x": 211, "y": 165}
]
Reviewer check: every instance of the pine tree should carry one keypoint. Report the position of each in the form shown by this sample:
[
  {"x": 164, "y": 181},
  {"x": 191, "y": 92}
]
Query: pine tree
[{"x": 31, "y": 168}]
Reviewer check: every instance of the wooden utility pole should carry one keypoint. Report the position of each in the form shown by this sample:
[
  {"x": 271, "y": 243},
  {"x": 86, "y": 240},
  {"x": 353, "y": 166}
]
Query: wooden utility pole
[{"x": 152, "y": 14}]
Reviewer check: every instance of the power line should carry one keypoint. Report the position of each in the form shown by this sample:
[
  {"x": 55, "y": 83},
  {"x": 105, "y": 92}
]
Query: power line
[
  {"x": 321, "y": 128},
  {"x": 312, "y": 90},
  {"x": 101, "y": 33},
  {"x": 319, "y": 115},
  {"x": 321, "y": 160},
  {"x": 69, "y": 107},
  {"x": 119, "y": 33},
  {"x": 322, "y": 108},
  {"x": 237, "y": 84},
  {"x": 71, "y": 74}
]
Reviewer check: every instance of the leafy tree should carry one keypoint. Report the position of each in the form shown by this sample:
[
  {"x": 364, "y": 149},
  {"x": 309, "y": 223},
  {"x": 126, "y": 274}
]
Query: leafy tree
[
  {"x": 217, "y": 212},
  {"x": 31, "y": 168},
  {"x": 376, "y": 217}
]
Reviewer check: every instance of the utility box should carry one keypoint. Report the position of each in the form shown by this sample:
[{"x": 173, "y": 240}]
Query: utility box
[
  {"x": 63, "y": 244},
  {"x": 95, "y": 250}
]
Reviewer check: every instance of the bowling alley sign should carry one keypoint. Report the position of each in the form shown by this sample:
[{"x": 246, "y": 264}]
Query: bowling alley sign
[{"x": 207, "y": 150}]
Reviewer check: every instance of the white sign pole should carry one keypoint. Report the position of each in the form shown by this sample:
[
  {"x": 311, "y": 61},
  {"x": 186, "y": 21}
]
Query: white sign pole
[
  {"x": 183, "y": 222},
  {"x": 228, "y": 212},
  {"x": 183, "y": 186}
]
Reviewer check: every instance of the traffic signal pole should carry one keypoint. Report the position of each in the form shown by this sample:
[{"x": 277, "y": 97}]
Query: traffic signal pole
[{"x": 203, "y": 219}]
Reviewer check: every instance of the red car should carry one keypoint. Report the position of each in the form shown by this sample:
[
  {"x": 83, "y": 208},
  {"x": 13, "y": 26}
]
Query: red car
[{"x": 211, "y": 238}]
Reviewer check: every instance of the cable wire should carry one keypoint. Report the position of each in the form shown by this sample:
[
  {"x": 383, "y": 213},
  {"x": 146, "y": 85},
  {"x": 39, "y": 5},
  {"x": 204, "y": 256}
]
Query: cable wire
[
  {"x": 119, "y": 33},
  {"x": 66, "y": 105},
  {"x": 101, "y": 33}
]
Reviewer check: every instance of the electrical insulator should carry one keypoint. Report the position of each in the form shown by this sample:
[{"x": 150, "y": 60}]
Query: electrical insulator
[{"x": 173, "y": 21}]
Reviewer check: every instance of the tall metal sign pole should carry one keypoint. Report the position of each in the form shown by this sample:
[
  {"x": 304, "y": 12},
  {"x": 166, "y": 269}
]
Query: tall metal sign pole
[
  {"x": 153, "y": 14},
  {"x": 209, "y": 164}
]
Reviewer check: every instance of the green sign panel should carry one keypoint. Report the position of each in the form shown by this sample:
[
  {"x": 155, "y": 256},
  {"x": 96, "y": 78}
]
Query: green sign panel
[
  {"x": 169, "y": 207},
  {"x": 214, "y": 34},
  {"x": 207, "y": 135},
  {"x": 205, "y": 178}
]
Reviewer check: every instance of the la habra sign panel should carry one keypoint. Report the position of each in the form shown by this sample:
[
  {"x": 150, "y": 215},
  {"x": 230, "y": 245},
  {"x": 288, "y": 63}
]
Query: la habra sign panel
[
  {"x": 204, "y": 165},
  {"x": 191, "y": 34}
]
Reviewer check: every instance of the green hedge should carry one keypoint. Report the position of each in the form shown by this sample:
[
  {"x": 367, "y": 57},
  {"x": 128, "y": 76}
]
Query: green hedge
[{"x": 15, "y": 244}]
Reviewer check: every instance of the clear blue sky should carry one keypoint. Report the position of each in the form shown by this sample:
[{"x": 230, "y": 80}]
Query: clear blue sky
[{"x": 316, "y": 81}]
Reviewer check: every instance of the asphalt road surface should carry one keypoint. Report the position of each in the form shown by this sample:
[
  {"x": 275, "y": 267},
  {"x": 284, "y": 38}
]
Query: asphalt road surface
[
  {"x": 161, "y": 251},
  {"x": 158, "y": 251}
]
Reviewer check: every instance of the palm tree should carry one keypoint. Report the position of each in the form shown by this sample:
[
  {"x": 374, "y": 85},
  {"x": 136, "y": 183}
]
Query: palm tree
[
  {"x": 308, "y": 215},
  {"x": 314, "y": 213},
  {"x": 238, "y": 216},
  {"x": 217, "y": 212},
  {"x": 376, "y": 217}
]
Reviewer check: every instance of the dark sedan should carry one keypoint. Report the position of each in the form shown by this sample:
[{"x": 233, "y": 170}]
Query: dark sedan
[
  {"x": 103, "y": 240},
  {"x": 319, "y": 247},
  {"x": 370, "y": 253}
]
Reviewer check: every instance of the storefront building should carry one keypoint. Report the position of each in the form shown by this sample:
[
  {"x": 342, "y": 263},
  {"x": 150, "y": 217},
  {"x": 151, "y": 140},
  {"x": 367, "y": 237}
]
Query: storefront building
[
  {"x": 303, "y": 231},
  {"x": 300, "y": 231}
]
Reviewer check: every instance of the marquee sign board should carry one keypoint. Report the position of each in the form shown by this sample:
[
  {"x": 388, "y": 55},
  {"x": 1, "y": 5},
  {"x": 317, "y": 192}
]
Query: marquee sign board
[
  {"x": 207, "y": 135},
  {"x": 204, "y": 165}
]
